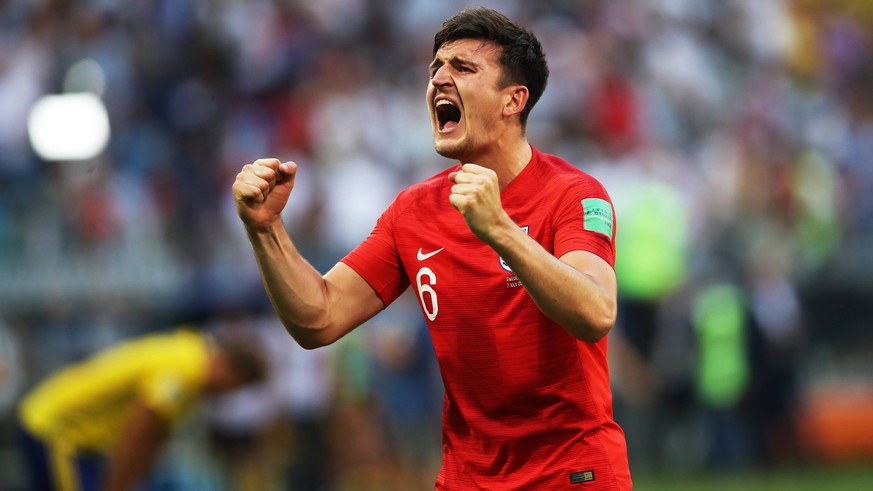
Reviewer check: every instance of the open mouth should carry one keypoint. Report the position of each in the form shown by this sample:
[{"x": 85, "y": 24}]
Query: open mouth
[{"x": 448, "y": 115}]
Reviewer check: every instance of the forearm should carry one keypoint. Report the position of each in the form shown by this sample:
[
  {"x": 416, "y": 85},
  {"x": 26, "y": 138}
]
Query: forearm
[
  {"x": 297, "y": 290},
  {"x": 581, "y": 302},
  {"x": 301, "y": 296},
  {"x": 136, "y": 450}
]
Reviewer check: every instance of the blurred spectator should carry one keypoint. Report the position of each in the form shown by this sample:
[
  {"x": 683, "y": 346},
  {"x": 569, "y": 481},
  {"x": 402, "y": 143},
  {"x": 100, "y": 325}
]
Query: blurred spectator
[
  {"x": 273, "y": 435},
  {"x": 10, "y": 368},
  {"x": 776, "y": 343},
  {"x": 719, "y": 316},
  {"x": 11, "y": 381},
  {"x": 408, "y": 392}
]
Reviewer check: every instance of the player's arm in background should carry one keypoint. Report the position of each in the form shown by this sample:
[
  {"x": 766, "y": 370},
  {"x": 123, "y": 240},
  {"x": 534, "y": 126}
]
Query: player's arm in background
[
  {"x": 316, "y": 310},
  {"x": 144, "y": 434}
]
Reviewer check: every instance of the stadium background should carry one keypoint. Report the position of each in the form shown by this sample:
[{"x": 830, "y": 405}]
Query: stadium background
[{"x": 735, "y": 136}]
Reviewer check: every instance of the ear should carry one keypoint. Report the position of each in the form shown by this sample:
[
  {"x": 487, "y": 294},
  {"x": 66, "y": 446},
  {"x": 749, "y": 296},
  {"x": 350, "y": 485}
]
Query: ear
[{"x": 516, "y": 100}]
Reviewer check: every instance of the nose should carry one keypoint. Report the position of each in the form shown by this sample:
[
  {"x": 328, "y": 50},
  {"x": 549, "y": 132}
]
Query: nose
[{"x": 441, "y": 77}]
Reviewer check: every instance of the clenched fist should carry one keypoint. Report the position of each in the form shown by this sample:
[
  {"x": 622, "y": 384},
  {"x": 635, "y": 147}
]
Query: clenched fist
[
  {"x": 261, "y": 191},
  {"x": 476, "y": 194}
]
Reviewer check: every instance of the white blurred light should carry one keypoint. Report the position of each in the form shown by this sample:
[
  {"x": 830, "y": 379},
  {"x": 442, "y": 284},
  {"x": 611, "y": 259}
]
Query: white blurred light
[{"x": 68, "y": 126}]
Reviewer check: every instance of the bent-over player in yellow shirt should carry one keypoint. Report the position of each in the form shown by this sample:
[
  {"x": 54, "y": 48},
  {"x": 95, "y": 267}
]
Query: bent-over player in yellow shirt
[{"x": 98, "y": 424}]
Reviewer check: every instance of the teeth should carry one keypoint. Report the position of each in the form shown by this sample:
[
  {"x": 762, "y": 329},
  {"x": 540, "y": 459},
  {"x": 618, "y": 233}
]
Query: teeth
[{"x": 443, "y": 102}]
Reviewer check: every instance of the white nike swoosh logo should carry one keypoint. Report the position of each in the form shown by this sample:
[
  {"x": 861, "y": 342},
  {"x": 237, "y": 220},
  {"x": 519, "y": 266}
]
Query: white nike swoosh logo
[{"x": 421, "y": 256}]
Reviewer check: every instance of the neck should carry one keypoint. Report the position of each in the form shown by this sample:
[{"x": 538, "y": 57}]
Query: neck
[{"x": 506, "y": 160}]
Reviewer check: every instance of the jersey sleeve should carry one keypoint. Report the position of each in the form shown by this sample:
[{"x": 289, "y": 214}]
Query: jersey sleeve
[
  {"x": 377, "y": 261},
  {"x": 166, "y": 393},
  {"x": 585, "y": 220}
]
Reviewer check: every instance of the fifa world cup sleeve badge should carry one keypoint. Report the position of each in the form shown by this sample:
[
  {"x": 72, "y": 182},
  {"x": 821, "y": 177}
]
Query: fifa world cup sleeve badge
[{"x": 597, "y": 216}]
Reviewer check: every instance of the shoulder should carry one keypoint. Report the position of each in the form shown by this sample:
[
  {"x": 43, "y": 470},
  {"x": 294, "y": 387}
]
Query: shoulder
[
  {"x": 185, "y": 338},
  {"x": 192, "y": 343},
  {"x": 179, "y": 373},
  {"x": 561, "y": 174},
  {"x": 182, "y": 352}
]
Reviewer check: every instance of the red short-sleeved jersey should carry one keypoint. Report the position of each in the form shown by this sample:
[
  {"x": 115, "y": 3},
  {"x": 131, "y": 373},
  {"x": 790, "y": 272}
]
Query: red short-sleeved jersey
[{"x": 527, "y": 406}]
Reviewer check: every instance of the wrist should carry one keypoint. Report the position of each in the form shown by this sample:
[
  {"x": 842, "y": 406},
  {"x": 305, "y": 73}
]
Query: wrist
[
  {"x": 502, "y": 234},
  {"x": 256, "y": 230}
]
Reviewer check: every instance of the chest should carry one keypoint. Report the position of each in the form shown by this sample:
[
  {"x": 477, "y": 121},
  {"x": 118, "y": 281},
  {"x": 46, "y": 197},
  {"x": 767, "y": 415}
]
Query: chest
[{"x": 451, "y": 270}]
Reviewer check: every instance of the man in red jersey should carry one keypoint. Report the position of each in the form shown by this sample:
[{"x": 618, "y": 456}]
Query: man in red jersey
[{"x": 511, "y": 254}]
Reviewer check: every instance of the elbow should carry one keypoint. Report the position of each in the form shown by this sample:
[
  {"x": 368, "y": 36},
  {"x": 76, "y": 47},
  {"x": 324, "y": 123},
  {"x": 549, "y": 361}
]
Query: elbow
[
  {"x": 310, "y": 343},
  {"x": 593, "y": 328},
  {"x": 309, "y": 338},
  {"x": 596, "y": 331}
]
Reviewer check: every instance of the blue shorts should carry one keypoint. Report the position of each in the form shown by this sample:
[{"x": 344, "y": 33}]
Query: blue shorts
[{"x": 53, "y": 468}]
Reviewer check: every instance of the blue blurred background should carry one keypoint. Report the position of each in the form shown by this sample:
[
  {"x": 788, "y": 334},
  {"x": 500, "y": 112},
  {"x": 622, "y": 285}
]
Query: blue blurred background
[{"x": 735, "y": 137}]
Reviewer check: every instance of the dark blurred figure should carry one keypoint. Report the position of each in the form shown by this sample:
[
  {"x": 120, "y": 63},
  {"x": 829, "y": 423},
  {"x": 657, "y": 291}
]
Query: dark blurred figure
[
  {"x": 409, "y": 396},
  {"x": 273, "y": 435},
  {"x": 777, "y": 340}
]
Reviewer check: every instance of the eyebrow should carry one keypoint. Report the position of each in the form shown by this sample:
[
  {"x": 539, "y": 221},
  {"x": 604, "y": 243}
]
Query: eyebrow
[{"x": 454, "y": 60}]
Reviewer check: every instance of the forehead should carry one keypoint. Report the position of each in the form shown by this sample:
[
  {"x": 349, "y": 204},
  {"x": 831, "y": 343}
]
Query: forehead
[{"x": 478, "y": 50}]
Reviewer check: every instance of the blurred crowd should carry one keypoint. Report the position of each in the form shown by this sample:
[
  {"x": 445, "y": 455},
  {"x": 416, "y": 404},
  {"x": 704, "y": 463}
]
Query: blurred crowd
[{"x": 735, "y": 137}]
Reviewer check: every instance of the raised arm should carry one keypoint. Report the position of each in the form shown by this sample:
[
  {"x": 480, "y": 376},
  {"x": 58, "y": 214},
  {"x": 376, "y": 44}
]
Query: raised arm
[{"x": 316, "y": 310}]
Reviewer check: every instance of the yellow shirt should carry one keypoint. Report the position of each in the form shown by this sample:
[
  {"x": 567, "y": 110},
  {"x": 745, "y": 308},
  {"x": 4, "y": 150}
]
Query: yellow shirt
[{"x": 86, "y": 405}]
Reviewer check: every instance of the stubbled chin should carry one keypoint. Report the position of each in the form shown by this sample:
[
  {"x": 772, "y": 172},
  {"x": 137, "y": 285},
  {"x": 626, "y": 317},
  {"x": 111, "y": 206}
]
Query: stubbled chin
[{"x": 450, "y": 148}]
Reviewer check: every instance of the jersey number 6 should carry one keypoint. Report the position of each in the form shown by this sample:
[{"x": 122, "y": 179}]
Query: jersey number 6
[{"x": 431, "y": 313}]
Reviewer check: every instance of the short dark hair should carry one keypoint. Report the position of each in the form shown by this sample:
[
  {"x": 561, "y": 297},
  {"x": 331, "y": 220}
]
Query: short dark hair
[
  {"x": 244, "y": 353},
  {"x": 522, "y": 57}
]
